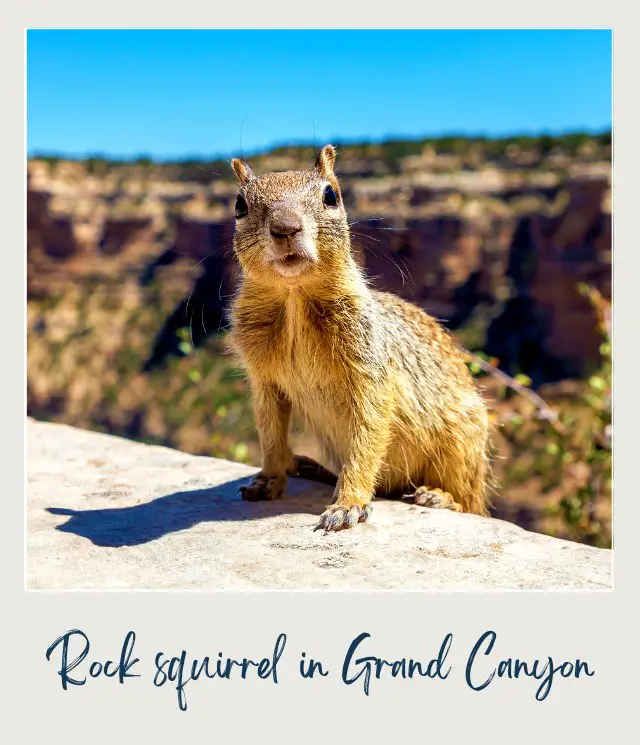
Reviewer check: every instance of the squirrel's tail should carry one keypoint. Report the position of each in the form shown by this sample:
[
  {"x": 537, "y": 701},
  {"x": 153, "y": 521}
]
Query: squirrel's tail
[{"x": 306, "y": 468}]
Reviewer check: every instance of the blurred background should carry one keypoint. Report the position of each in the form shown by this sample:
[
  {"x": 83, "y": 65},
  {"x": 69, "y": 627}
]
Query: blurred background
[{"x": 475, "y": 164}]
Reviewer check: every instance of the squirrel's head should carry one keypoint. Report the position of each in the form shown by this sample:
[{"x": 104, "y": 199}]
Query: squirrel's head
[{"x": 291, "y": 226}]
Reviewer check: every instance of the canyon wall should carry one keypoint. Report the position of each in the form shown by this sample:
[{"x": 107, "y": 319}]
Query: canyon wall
[{"x": 510, "y": 244}]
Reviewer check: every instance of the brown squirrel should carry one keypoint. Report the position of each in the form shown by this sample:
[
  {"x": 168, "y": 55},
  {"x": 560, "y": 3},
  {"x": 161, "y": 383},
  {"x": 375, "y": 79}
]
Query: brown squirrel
[{"x": 377, "y": 381}]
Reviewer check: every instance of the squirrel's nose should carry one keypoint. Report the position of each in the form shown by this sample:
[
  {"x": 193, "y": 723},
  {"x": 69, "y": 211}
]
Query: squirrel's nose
[{"x": 284, "y": 224}]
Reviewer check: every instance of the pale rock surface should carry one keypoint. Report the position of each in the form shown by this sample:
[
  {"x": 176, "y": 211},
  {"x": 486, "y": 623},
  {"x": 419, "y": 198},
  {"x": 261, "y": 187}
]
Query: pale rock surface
[{"x": 107, "y": 513}]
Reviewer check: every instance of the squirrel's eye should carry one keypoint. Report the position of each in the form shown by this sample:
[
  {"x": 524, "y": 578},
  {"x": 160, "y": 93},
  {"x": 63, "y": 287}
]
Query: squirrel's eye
[
  {"x": 242, "y": 209},
  {"x": 330, "y": 198}
]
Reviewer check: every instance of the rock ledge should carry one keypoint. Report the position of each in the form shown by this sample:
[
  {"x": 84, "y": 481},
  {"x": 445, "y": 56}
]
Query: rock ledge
[{"x": 107, "y": 513}]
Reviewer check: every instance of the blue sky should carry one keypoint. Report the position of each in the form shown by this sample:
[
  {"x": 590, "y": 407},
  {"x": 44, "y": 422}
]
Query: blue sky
[{"x": 202, "y": 93}]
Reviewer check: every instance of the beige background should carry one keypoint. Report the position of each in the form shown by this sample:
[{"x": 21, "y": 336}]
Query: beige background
[{"x": 594, "y": 626}]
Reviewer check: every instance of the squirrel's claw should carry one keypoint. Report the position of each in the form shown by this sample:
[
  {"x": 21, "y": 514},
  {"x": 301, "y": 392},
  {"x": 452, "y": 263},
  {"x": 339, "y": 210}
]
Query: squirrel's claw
[
  {"x": 336, "y": 517},
  {"x": 434, "y": 498}
]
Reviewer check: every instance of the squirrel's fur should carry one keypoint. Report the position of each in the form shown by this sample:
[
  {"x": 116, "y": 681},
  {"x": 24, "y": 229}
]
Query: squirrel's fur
[{"x": 377, "y": 381}]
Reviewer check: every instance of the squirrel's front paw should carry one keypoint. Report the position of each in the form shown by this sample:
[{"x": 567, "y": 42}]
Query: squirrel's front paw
[
  {"x": 339, "y": 517},
  {"x": 263, "y": 488}
]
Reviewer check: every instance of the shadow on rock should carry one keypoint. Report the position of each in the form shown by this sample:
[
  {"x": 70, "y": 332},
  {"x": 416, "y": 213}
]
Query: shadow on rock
[{"x": 141, "y": 523}]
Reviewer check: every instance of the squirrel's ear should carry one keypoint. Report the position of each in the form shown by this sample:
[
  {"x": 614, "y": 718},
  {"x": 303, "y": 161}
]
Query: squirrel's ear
[
  {"x": 325, "y": 160},
  {"x": 242, "y": 171}
]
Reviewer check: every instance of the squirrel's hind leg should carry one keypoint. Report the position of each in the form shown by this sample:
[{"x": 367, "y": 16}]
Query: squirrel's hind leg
[{"x": 434, "y": 498}]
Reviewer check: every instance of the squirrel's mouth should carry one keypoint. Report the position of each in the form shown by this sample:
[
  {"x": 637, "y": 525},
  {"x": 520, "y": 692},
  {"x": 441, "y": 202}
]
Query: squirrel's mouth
[
  {"x": 290, "y": 264},
  {"x": 291, "y": 259}
]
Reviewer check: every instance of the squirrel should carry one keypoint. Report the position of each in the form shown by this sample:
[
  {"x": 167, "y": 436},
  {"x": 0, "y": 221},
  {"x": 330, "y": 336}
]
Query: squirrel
[{"x": 379, "y": 383}]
